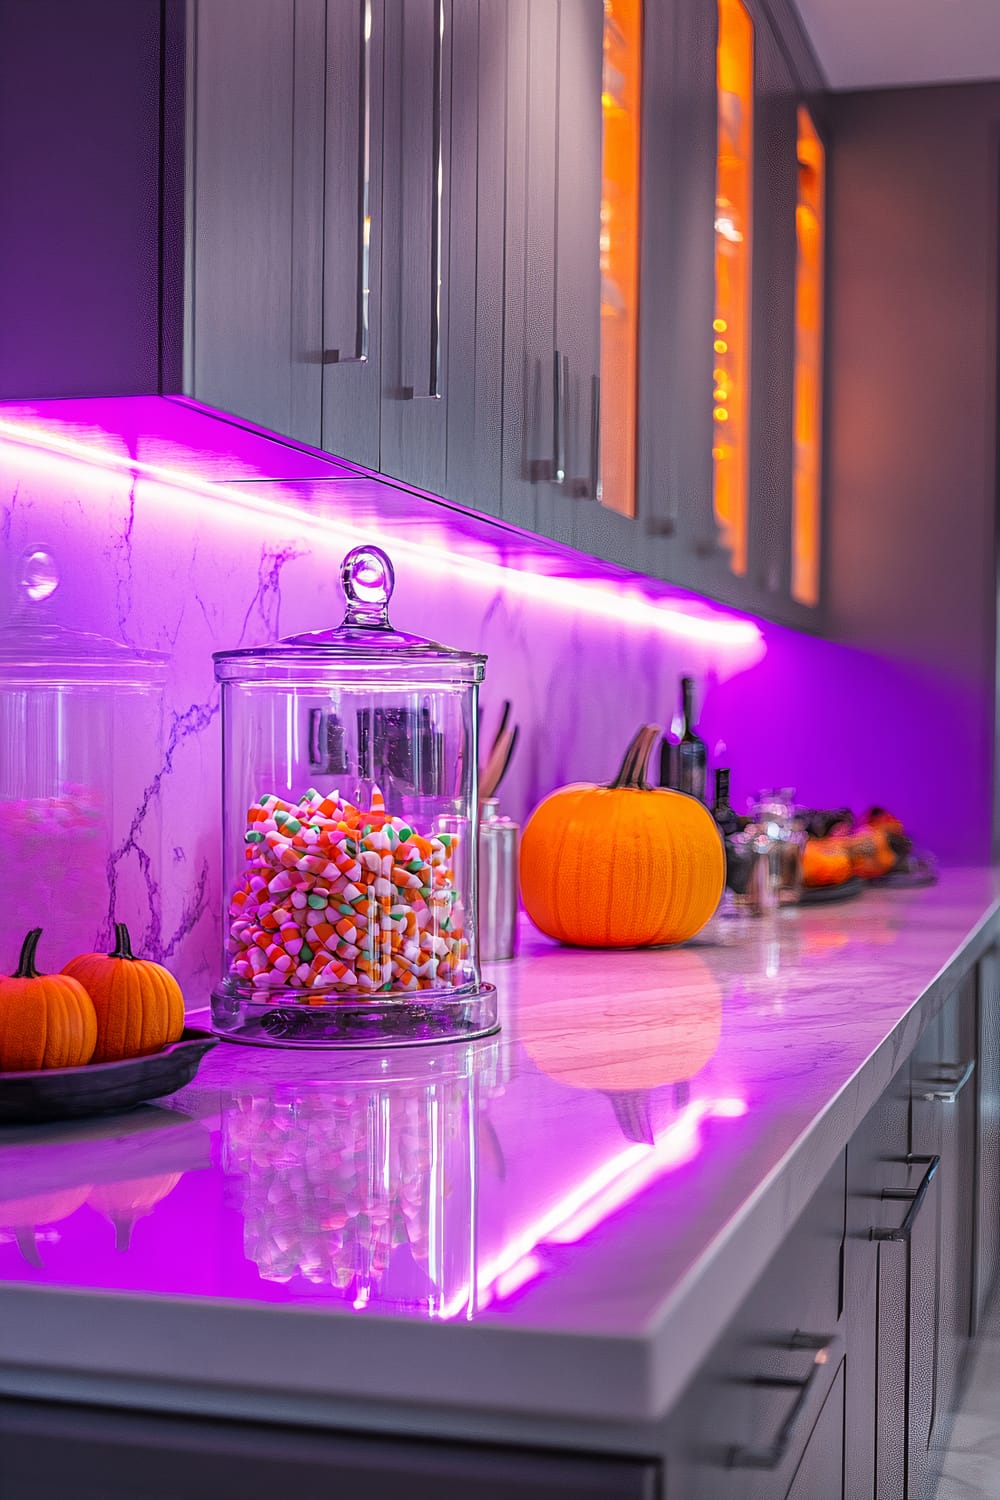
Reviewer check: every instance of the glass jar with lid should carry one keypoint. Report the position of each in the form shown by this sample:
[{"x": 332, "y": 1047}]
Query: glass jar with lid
[{"x": 349, "y": 855}]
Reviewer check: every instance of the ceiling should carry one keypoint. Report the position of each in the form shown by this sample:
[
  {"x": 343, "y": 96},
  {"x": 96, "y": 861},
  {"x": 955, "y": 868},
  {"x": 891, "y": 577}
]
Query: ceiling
[{"x": 885, "y": 43}]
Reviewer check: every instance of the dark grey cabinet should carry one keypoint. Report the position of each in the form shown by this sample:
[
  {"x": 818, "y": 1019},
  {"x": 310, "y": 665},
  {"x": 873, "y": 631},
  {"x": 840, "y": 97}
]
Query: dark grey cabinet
[
  {"x": 744, "y": 1428},
  {"x": 48, "y": 1450},
  {"x": 397, "y": 253},
  {"x": 909, "y": 1264},
  {"x": 255, "y": 228},
  {"x": 943, "y": 1122},
  {"x": 987, "y": 1152},
  {"x": 348, "y": 135},
  {"x": 552, "y": 282},
  {"x": 345, "y": 180}
]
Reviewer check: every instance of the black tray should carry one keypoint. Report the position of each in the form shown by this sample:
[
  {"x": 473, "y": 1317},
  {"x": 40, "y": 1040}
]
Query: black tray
[
  {"x": 99, "y": 1088},
  {"x": 812, "y": 895}
]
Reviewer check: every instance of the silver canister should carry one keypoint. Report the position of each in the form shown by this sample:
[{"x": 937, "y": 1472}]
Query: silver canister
[{"x": 497, "y": 883}]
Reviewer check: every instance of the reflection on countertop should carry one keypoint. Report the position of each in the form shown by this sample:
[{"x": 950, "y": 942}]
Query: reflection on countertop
[{"x": 586, "y": 1172}]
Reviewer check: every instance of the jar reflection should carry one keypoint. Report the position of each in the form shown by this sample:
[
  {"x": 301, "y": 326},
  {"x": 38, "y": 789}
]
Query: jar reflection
[{"x": 366, "y": 1188}]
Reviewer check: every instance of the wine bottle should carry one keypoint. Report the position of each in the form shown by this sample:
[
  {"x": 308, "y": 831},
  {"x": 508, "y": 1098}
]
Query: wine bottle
[
  {"x": 728, "y": 821},
  {"x": 690, "y": 756}
]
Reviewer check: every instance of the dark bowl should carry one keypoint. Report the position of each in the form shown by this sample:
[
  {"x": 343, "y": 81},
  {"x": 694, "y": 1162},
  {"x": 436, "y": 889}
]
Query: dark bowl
[{"x": 100, "y": 1088}]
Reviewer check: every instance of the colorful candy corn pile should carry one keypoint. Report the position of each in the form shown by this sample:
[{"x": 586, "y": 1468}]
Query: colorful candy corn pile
[{"x": 336, "y": 900}]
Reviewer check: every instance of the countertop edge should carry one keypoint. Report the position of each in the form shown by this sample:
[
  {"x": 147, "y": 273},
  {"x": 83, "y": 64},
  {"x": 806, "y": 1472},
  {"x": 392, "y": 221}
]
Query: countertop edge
[{"x": 57, "y": 1338}]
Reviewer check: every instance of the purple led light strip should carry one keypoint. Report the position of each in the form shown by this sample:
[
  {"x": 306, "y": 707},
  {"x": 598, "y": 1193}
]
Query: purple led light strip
[{"x": 617, "y": 602}]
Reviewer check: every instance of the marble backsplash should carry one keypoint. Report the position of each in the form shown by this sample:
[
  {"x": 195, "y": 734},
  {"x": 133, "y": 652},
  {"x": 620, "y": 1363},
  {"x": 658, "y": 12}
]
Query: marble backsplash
[{"x": 167, "y": 567}]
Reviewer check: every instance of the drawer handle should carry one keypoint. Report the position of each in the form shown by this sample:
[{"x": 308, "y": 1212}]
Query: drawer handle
[
  {"x": 915, "y": 1196},
  {"x": 773, "y": 1455},
  {"x": 947, "y": 1090}
]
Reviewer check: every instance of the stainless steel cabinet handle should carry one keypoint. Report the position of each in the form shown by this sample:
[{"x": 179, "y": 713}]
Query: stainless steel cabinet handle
[
  {"x": 560, "y": 384},
  {"x": 358, "y": 344},
  {"x": 772, "y": 1455},
  {"x": 437, "y": 190},
  {"x": 915, "y": 1197},
  {"x": 595, "y": 437},
  {"x": 946, "y": 1090}
]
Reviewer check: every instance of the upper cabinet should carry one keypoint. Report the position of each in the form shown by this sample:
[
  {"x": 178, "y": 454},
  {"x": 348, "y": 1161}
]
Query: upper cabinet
[
  {"x": 558, "y": 260},
  {"x": 345, "y": 256}
]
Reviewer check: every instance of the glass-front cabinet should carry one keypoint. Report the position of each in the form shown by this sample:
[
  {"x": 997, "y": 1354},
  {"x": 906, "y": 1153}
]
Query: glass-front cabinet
[{"x": 560, "y": 261}]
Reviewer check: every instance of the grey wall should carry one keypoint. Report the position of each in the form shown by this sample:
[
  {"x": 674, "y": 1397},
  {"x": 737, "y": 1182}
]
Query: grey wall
[
  {"x": 79, "y": 197},
  {"x": 912, "y": 432}
]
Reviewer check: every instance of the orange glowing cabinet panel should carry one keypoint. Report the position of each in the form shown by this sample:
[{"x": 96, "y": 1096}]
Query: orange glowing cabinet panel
[
  {"x": 621, "y": 101},
  {"x": 731, "y": 326},
  {"x": 809, "y": 216}
]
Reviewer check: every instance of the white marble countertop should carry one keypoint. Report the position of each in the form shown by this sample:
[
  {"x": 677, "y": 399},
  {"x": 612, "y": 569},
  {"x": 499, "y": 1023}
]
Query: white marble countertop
[{"x": 552, "y": 1226}]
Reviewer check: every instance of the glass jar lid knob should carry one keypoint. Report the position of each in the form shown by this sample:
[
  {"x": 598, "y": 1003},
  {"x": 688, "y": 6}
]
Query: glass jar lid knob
[{"x": 367, "y": 579}]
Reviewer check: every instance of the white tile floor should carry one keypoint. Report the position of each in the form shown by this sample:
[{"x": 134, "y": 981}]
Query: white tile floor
[{"x": 972, "y": 1464}]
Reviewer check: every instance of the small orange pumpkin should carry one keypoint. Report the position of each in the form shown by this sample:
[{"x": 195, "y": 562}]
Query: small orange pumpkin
[
  {"x": 871, "y": 853},
  {"x": 826, "y": 862},
  {"x": 46, "y": 1020},
  {"x": 139, "y": 1005},
  {"x": 622, "y": 866}
]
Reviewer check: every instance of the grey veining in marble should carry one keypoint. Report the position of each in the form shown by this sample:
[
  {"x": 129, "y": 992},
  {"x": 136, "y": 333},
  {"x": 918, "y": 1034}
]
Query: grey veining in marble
[{"x": 559, "y": 1222}]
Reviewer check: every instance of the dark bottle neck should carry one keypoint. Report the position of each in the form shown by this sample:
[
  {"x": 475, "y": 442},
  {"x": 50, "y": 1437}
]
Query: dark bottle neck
[
  {"x": 687, "y": 702},
  {"x": 721, "y": 804}
]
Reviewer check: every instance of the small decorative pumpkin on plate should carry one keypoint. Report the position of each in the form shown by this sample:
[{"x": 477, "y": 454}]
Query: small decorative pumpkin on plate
[
  {"x": 139, "y": 1004},
  {"x": 46, "y": 1020},
  {"x": 622, "y": 866}
]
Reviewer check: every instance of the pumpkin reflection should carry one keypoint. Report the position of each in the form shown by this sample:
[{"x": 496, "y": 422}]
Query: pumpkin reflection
[
  {"x": 22, "y": 1216},
  {"x": 123, "y": 1203},
  {"x": 632, "y": 1043}
]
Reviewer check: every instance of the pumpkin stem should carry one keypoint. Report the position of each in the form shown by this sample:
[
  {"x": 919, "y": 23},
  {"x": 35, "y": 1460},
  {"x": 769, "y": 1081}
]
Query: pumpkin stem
[
  {"x": 25, "y": 1236},
  {"x": 123, "y": 943},
  {"x": 632, "y": 1113},
  {"x": 123, "y": 1234},
  {"x": 26, "y": 963},
  {"x": 632, "y": 775}
]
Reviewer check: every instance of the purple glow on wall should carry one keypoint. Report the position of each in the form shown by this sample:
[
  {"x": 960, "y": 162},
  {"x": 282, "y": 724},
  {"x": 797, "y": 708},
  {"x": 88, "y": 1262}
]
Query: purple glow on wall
[{"x": 180, "y": 532}]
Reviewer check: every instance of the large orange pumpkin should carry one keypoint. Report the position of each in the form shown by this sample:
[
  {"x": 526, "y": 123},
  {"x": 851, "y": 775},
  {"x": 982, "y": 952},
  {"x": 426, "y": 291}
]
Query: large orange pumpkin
[
  {"x": 46, "y": 1020},
  {"x": 139, "y": 1004},
  {"x": 622, "y": 866}
]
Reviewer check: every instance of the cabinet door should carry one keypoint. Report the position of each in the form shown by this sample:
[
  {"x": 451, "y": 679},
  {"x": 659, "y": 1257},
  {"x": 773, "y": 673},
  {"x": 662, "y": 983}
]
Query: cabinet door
[
  {"x": 476, "y": 256},
  {"x": 820, "y": 1475},
  {"x": 678, "y": 282},
  {"x": 987, "y": 1241},
  {"x": 741, "y": 1431},
  {"x": 256, "y": 195},
  {"x": 415, "y": 242},
  {"x": 944, "y": 1120},
  {"x": 353, "y": 219},
  {"x": 772, "y": 349},
  {"x": 552, "y": 286},
  {"x": 875, "y": 1275}
]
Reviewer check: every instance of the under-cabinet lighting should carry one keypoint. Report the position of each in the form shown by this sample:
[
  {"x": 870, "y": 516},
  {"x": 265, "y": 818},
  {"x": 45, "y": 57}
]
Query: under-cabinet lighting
[
  {"x": 606, "y": 1190},
  {"x": 618, "y": 601}
]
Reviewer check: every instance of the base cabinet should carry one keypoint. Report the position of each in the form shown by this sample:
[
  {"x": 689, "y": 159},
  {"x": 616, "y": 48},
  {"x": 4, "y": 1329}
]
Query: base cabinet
[{"x": 48, "y": 1451}]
